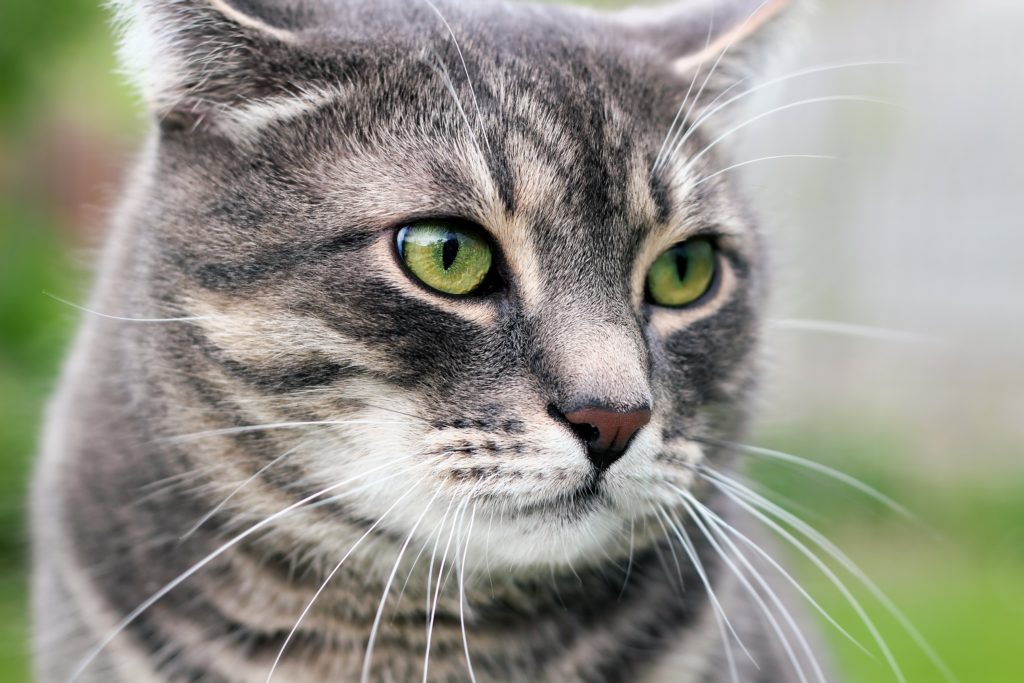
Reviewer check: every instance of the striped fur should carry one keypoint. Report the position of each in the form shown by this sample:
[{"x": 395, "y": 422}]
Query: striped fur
[{"x": 289, "y": 141}]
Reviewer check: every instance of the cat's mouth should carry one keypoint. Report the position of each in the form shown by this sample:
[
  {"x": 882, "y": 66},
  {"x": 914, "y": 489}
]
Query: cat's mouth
[{"x": 572, "y": 505}]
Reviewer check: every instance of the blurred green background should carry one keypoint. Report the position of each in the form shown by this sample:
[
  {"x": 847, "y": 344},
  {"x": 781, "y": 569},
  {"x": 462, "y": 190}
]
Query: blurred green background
[{"x": 934, "y": 427}]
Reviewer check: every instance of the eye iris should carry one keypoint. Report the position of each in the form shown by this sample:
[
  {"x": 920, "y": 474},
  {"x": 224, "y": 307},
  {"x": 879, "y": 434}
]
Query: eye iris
[
  {"x": 449, "y": 259},
  {"x": 683, "y": 274}
]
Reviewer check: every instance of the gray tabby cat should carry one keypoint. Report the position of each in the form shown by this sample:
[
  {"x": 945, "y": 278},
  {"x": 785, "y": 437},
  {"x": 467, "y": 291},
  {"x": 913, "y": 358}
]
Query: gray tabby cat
[{"x": 417, "y": 342}]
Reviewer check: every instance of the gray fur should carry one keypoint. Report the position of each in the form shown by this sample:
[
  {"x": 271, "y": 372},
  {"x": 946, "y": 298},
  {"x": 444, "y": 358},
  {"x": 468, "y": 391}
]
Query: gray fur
[{"x": 289, "y": 141}]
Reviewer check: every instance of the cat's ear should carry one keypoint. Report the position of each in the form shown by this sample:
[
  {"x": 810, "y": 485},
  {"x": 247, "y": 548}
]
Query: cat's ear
[
  {"x": 192, "y": 59},
  {"x": 732, "y": 35}
]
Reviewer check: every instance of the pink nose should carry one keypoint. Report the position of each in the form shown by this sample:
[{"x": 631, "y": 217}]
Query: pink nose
[{"x": 606, "y": 432}]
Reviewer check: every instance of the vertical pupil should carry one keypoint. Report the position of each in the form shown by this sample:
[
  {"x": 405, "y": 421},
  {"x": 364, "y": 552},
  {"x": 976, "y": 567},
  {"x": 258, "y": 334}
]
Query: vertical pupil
[
  {"x": 450, "y": 251},
  {"x": 682, "y": 263}
]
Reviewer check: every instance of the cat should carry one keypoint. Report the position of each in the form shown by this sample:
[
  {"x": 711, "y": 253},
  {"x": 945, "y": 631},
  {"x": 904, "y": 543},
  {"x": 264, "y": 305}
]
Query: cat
[{"x": 416, "y": 345}]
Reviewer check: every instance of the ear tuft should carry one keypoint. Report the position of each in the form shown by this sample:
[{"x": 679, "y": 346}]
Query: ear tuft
[{"x": 191, "y": 54}]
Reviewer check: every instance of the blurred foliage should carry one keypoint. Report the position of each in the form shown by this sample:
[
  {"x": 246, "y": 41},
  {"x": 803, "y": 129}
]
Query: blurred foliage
[
  {"x": 956, "y": 572},
  {"x": 964, "y": 591},
  {"x": 32, "y": 33}
]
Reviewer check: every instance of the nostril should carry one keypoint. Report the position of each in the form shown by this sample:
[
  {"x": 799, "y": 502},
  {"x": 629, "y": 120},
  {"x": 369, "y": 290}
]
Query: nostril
[
  {"x": 587, "y": 433},
  {"x": 606, "y": 432}
]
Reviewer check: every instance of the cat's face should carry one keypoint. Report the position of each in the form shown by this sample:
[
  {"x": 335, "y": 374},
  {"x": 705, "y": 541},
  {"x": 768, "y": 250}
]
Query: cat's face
[{"x": 450, "y": 263}]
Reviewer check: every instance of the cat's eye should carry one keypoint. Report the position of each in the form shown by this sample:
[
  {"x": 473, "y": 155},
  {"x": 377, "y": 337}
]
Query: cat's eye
[
  {"x": 682, "y": 274},
  {"x": 446, "y": 256}
]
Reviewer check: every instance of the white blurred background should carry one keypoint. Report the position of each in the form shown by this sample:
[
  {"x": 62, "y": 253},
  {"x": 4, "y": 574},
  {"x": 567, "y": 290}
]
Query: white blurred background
[{"x": 917, "y": 227}]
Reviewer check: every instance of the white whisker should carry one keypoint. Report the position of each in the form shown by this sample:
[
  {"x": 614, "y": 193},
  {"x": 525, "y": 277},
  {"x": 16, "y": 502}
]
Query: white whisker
[
  {"x": 695, "y": 508},
  {"x": 720, "y": 616},
  {"x": 124, "y": 319},
  {"x": 629, "y": 563},
  {"x": 95, "y": 651},
  {"x": 462, "y": 596},
  {"x": 672, "y": 549},
  {"x": 442, "y": 71},
  {"x": 750, "y": 162},
  {"x": 776, "y": 110},
  {"x": 714, "y": 67},
  {"x": 853, "y": 330},
  {"x": 432, "y": 611},
  {"x": 722, "y": 524},
  {"x": 368, "y": 657},
  {"x": 686, "y": 98},
  {"x": 715, "y": 106},
  {"x": 849, "y": 565},
  {"x": 738, "y": 494},
  {"x": 831, "y": 472},
  {"x": 337, "y": 567},
  {"x": 220, "y": 506},
  {"x": 465, "y": 69}
]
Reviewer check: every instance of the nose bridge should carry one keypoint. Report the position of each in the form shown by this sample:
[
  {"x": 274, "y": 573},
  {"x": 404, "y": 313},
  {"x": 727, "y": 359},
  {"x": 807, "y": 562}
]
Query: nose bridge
[{"x": 595, "y": 353}]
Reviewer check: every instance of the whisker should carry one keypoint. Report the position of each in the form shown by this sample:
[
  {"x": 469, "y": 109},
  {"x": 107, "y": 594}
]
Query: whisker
[
  {"x": 370, "y": 485},
  {"x": 368, "y": 657},
  {"x": 714, "y": 67},
  {"x": 820, "y": 468},
  {"x": 412, "y": 570},
  {"x": 750, "y": 162},
  {"x": 672, "y": 549},
  {"x": 432, "y": 611},
  {"x": 95, "y": 651},
  {"x": 629, "y": 563},
  {"x": 722, "y": 524},
  {"x": 178, "y": 481},
  {"x": 334, "y": 571},
  {"x": 854, "y": 330},
  {"x": 124, "y": 319},
  {"x": 721, "y": 619},
  {"x": 714, "y": 107},
  {"x": 686, "y": 98},
  {"x": 697, "y": 511},
  {"x": 776, "y": 110},
  {"x": 396, "y": 412},
  {"x": 462, "y": 596},
  {"x": 442, "y": 71},
  {"x": 849, "y": 565},
  {"x": 220, "y": 506},
  {"x": 737, "y": 493},
  {"x": 465, "y": 69}
]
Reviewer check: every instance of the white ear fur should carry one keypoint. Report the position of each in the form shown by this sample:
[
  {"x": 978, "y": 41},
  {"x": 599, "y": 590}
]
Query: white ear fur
[{"x": 156, "y": 54}]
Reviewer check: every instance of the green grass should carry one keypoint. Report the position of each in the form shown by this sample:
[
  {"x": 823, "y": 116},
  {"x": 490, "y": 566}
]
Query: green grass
[
  {"x": 968, "y": 608},
  {"x": 33, "y": 333},
  {"x": 14, "y": 661},
  {"x": 962, "y": 585}
]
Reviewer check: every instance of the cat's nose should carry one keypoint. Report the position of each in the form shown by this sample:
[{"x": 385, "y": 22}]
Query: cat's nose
[{"x": 606, "y": 432}]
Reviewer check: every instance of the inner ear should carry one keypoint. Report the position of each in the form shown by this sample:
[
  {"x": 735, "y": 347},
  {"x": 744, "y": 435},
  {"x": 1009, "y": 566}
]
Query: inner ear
[
  {"x": 269, "y": 21},
  {"x": 692, "y": 32}
]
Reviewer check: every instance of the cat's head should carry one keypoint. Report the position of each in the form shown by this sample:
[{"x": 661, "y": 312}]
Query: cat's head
[{"x": 486, "y": 246}]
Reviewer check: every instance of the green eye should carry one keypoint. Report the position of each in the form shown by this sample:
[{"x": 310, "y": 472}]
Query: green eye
[
  {"x": 683, "y": 274},
  {"x": 445, "y": 256}
]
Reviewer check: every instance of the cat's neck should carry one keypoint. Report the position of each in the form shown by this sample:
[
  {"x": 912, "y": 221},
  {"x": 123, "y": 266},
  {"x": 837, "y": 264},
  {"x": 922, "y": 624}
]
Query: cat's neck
[{"x": 565, "y": 623}]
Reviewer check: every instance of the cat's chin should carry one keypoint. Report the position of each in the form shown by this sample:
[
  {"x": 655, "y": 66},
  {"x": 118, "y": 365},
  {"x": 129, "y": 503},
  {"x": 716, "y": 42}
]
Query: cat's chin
[
  {"x": 573, "y": 530},
  {"x": 559, "y": 536}
]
